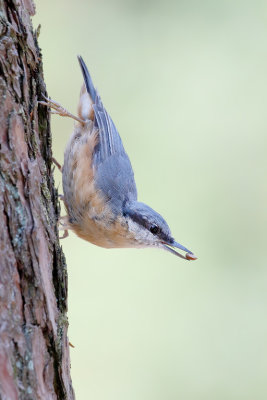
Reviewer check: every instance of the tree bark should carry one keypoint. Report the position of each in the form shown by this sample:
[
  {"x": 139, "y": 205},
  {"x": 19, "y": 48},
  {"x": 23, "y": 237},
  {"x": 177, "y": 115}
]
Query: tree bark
[{"x": 34, "y": 348}]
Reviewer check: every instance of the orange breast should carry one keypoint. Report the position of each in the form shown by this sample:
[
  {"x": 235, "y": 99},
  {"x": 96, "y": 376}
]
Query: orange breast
[
  {"x": 104, "y": 233},
  {"x": 89, "y": 214}
]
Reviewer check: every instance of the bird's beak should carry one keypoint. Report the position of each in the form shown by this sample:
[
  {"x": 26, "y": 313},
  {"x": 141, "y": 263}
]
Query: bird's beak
[{"x": 169, "y": 247}]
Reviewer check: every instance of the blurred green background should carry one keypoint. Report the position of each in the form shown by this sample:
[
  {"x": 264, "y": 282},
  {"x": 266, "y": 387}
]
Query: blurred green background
[{"x": 186, "y": 84}]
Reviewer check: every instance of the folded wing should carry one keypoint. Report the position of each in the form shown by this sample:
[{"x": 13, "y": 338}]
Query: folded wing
[{"x": 113, "y": 171}]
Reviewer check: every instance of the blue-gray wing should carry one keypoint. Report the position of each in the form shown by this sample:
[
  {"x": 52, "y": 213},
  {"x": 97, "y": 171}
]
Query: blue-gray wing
[{"x": 114, "y": 173}]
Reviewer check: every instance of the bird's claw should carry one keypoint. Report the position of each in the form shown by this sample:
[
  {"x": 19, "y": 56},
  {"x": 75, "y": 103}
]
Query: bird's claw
[{"x": 58, "y": 109}]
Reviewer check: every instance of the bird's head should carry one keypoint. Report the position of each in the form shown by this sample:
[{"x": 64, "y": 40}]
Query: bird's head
[{"x": 149, "y": 229}]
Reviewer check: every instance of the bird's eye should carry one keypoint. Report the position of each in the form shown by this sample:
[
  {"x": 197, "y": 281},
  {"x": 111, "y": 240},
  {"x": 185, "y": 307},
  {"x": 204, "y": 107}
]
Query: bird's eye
[{"x": 154, "y": 229}]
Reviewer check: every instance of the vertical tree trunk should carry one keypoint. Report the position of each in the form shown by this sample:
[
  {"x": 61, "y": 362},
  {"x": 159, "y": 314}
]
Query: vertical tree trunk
[{"x": 34, "y": 349}]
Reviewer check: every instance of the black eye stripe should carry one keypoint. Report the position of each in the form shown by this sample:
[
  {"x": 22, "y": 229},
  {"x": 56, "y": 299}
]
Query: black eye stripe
[{"x": 151, "y": 226}]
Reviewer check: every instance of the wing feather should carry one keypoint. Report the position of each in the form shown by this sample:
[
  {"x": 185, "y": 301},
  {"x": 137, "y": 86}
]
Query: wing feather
[{"x": 114, "y": 173}]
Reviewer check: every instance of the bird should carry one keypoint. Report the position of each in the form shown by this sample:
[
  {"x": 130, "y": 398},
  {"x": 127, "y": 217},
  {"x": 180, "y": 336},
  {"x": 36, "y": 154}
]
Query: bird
[{"x": 100, "y": 193}]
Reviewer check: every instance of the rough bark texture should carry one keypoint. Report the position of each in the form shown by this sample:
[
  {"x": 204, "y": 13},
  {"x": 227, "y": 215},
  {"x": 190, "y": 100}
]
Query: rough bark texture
[{"x": 34, "y": 349}]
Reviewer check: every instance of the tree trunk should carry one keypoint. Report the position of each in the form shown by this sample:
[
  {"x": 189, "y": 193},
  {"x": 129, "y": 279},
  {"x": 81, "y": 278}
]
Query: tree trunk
[{"x": 34, "y": 349}]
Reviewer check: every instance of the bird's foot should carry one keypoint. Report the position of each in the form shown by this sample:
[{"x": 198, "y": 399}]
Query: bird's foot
[
  {"x": 59, "y": 166},
  {"x": 58, "y": 109},
  {"x": 65, "y": 234},
  {"x": 63, "y": 225}
]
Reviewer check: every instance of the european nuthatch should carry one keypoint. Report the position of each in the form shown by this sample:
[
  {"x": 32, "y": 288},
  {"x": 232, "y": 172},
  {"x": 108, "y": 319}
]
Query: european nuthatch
[{"x": 98, "y": 182}]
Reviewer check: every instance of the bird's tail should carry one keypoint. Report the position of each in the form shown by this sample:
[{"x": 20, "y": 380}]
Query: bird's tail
[
  {"x": 88, "y": 94},
  {"x": 87, "y": 80}
]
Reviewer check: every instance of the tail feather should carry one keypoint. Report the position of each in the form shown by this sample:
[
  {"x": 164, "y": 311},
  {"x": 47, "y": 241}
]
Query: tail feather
[
  {"x": 88, "y": 80},
  {"x": 109, "y": 139}
]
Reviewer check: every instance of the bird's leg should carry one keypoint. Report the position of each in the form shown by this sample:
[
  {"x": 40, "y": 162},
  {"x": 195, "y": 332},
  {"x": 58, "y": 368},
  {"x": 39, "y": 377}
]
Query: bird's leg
[
  {"x": 63, "y": 225},
  {"x": 58, "y": 109},
  {"x": 57, "y": 164}
]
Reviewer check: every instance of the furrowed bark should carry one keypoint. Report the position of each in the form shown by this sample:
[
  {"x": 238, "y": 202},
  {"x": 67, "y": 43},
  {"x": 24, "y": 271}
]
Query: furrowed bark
[{"x": 34, "y": 349}]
